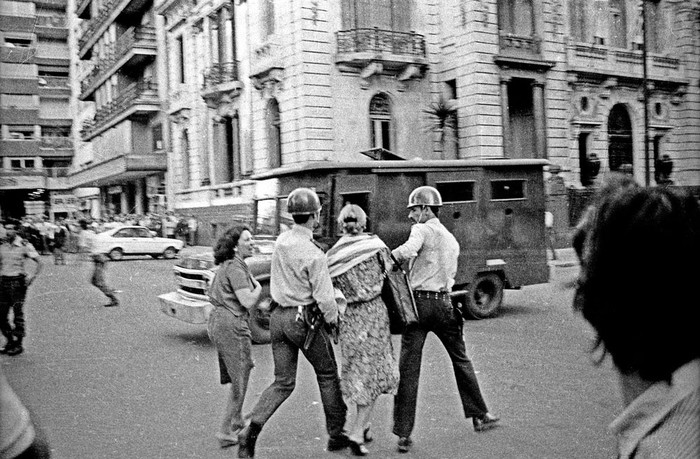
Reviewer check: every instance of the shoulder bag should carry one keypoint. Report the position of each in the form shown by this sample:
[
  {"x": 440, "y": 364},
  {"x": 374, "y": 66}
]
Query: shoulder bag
[{"x": 398, "y": 297}]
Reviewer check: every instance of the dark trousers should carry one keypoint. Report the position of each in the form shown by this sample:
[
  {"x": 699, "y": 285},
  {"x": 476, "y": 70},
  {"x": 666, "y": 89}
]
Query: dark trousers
[
  {"x": 98, "y": 277},
  {"x": 288, "y": 336},
  {"x": 13, "y": 291},
  {"x": 438, "y": 316}
]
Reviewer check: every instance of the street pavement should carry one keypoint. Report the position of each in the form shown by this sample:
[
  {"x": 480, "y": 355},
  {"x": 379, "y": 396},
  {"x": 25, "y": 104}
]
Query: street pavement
[{"x": 130, "y": 382}]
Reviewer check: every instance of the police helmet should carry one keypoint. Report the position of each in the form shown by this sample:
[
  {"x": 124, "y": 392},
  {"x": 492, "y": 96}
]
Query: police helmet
[
  {"x": 424, "y": 196},
  {"x": 303, "y": 201}
]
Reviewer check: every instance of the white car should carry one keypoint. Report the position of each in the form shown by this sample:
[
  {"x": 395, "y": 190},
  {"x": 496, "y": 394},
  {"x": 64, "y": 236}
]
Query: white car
[{"x": 135, "y": 240}]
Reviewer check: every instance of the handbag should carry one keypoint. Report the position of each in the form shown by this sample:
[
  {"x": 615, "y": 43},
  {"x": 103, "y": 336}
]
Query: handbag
[{"x": 398, "y": 297}]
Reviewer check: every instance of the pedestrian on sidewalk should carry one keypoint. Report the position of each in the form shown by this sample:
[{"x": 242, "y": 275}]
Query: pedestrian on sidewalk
[
  {"x": 14, "y": 282},
  {"x": 233, "y": 292},
  {"x": 86, "y": 244},
  {"x": 302, "y": 288},
  {"x": 636, "y": 286},
  {"x": 433, "y": 253}
]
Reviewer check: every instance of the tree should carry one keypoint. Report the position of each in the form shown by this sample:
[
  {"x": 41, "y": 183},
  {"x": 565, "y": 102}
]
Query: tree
[{"x": 442, "y": 116}]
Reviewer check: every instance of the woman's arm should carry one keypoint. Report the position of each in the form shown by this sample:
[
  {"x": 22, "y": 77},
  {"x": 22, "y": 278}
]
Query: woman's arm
[{"x": 248, "y": 297}]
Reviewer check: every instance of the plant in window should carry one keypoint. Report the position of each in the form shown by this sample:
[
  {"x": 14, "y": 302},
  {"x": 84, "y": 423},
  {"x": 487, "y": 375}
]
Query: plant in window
[{"x": 442, "y": 116}]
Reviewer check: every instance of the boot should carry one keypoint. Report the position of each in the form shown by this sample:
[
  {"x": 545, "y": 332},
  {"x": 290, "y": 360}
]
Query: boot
[
  {"x": 15, "y": 348},
  {"x": 246, "y": 440},
  {"x": 7, "y": 346}
]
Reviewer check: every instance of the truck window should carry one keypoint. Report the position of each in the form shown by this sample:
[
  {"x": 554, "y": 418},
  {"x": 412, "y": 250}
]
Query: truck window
[
  {"x": 507, "y": 189},
  {"x": 360, "y": 199},
  {"x": 265, "y": 216},
  {"x": 454, "y": 192}
]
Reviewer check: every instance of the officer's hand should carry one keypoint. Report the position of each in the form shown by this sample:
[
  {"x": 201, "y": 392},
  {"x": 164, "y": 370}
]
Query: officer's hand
[{"x": 331, "y": 317}]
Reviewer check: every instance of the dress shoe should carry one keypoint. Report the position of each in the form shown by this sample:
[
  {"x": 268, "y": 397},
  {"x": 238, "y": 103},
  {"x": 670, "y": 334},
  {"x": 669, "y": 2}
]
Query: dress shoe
[
  {"x": 14, "y": 350},
  {"x": 246, "y": 440},
  {"x": 112, "y": 304},
  {"x": 358, "y": 449},
  {"x": 367, "y": 435},
  {"x": 227, "y": 439},
  {"x": 484, "y": 422},
  {"x": 405, "y": 444},
  {"x": 338, "y": 442}
]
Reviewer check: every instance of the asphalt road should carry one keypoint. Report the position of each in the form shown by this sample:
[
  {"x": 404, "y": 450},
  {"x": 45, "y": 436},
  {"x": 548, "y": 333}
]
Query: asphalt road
[{"x": 130, "y": 382}]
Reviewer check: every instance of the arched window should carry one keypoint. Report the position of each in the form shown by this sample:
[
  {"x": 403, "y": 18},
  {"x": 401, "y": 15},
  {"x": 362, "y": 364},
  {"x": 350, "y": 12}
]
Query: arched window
[
  {"x": 274, "y": 134},
  {"x": 516, "y": 17},
  {"x": 380, "y": 121},
  {"x": 619, "y": 138}
]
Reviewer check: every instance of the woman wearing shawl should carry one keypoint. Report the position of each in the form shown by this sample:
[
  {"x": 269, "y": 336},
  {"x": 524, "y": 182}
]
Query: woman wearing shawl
[{"x": 369, "y": 368}]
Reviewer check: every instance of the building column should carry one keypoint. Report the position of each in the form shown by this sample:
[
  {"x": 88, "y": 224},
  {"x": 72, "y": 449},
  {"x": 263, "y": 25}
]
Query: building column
[
  {"x": 538, "y": 108},
  {"x": 505, "y": 115},
  {"x": 227, "y": 41},
  {"x": 124, "y": 202},
  {"x": 138, "y": 201}
]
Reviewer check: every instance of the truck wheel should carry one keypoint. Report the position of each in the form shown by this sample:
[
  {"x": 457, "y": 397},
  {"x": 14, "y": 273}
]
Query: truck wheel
[
  {"x": 116, "y": 254},
  {"x": 485, "y": 296},
  {"x": 259, "y": 320}
]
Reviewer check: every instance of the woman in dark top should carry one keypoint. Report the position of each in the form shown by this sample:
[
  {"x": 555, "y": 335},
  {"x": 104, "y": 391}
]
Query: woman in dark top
[{"x": 233, "y": 292}]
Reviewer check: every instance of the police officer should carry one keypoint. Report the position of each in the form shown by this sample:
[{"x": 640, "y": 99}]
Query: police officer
[
  {"x": 14, "y": 281},
  {"x": 433, "y": 252},
  {"x": 299, "y": 280}
]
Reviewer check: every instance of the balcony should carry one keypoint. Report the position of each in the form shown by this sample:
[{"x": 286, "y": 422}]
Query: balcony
[
  {"x": 108, "y": 13},
  {"x": 377, "y": 51},
  {"x": 139, "y": 99},
  {"x": 25, "y": 147},
  {"x": 133, "y": 48},
  {"x": 54, "y": 86},
  {"x": 55, "y": 142},
  {"x": 606, "y": 62},
  {"x": 53, "y": 26},
  {"x": 47, "y": 177},
  {"x": 17, "y": 54},
  {"x": 221, "y": 83}
]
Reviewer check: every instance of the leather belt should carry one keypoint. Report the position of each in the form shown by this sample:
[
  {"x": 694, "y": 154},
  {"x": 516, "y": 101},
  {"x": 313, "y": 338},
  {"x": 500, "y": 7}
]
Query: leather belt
[
  {"x": 428, "y": 294},
  {"x": 18, "y": 276}
]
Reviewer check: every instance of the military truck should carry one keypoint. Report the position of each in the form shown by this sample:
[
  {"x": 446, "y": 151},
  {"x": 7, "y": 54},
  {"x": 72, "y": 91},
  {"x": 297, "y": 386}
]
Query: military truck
[{"x": 494, "y": 207}]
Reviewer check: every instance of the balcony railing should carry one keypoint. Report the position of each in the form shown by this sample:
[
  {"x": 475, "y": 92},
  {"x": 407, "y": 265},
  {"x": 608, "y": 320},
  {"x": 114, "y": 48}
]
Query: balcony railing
[
  {"x": 621, "y": 62},
  {"x": 519, "y": 44},
  {"x": 222, "y": 73},
  {"x": 138, "y": 93},
  {"x": 53, "y": 82},
  {"x": 380, "y": 41},
  {"x": 47, "y": 141},
  {"x": 142, "y": 37},
  {"x": 53, "y": 172},
  {"x": 51, "y": 21},
  {"x": 90, "y": 26}
]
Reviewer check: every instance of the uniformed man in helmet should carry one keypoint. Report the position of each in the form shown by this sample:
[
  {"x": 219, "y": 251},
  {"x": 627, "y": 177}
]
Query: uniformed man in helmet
[
  {"x": 299, "y": 280},
  {"x": 433, "y": 252}
]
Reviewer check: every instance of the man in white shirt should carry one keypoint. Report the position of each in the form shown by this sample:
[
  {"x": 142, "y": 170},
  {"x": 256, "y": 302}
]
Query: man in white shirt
[{"x": 86, "y": 245}]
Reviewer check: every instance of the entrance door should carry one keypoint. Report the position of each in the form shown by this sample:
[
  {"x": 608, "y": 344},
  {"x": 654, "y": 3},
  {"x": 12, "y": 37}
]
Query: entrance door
[{"x": 619, "y": 138}]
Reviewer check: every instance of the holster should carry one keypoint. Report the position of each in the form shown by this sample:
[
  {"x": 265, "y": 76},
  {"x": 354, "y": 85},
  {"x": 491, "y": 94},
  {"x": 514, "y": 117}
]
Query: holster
[{"x": 313, "y": 318}]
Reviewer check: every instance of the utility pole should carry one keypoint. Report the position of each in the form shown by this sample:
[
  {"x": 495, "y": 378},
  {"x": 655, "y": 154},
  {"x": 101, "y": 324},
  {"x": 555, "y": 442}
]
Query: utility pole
[{"x": 645, "y": 93}]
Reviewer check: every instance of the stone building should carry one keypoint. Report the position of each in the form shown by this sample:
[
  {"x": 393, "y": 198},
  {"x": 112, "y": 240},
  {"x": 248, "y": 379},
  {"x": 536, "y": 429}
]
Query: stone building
[
  {"x": 248, "y": 86},
  {"x": 120, "y": 162},
  {"x": 36, "y": 146}
]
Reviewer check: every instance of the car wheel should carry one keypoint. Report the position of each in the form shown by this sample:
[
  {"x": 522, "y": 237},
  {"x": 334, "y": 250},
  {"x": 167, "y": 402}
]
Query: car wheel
[
  {"x": 485, "y": 296},
  {"x": 169, "y": 253},
  {"x": 259, "y": 320},
  {"x": 116, "y": 254}
]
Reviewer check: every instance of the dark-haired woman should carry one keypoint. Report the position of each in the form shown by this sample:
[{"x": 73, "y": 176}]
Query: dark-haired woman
[{"x": 233, "y": 292}]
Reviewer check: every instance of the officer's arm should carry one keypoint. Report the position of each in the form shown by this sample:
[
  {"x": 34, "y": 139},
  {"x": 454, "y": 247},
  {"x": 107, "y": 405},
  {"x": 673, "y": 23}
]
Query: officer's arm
[
  {"x": 322, "y": 288},
  {"x": 34, "y": 255},
  {"x": 410, "y": 248}
]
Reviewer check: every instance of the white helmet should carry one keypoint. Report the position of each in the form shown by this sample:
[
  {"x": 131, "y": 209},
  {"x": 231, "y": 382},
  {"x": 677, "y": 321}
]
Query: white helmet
[{"x": 424, "y": 196}]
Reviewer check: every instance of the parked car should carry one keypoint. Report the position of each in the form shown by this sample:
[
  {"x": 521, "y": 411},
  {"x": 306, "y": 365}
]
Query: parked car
[
  {"x": 194, "y": 272},
  {"x": 135, "y": 240}
]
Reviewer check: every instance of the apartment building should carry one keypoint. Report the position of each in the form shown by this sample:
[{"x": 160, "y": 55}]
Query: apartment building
[
  {"x": 261, "y": 84},
  {"x": 120, "y": 161},
  {"x": 36, "y": 146}
]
